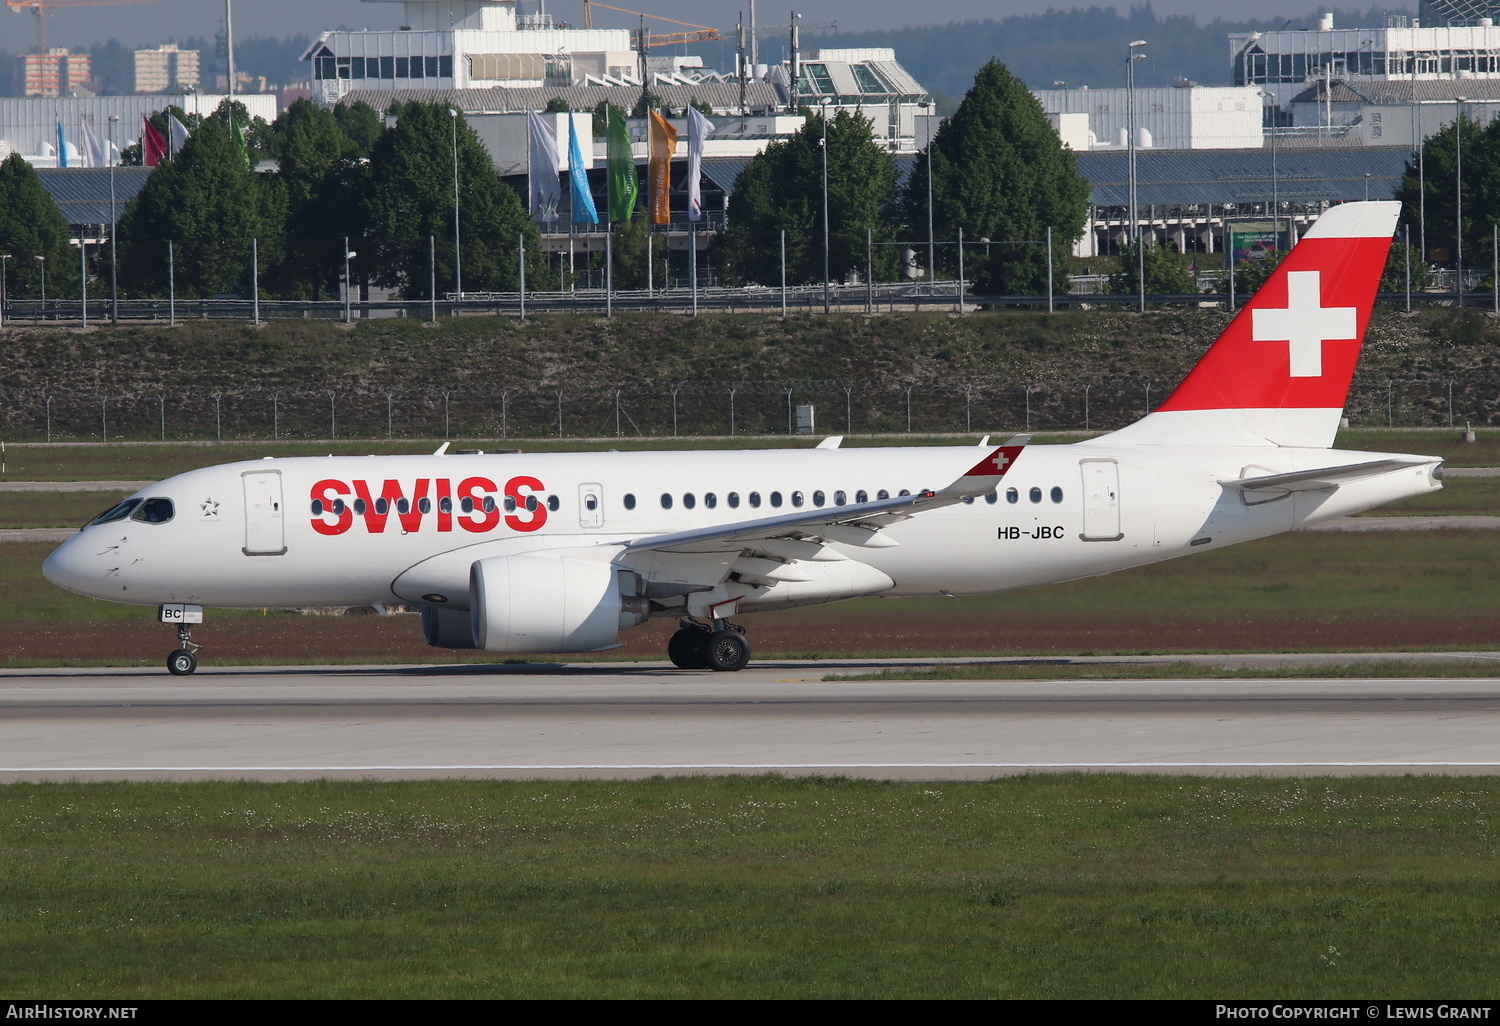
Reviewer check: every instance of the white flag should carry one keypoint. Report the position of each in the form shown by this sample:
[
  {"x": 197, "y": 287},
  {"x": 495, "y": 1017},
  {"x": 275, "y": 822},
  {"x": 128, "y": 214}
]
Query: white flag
[
  {"x": 698, "y": 129},
  {"x": 545, "y": 188},
  {"x": 93, "y": 153},
  {"x": 178, "y": 132}
]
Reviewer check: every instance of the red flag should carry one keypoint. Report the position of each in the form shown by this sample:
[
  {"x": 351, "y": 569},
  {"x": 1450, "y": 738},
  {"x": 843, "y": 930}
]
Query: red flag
[{"x": 153, "y": 146}]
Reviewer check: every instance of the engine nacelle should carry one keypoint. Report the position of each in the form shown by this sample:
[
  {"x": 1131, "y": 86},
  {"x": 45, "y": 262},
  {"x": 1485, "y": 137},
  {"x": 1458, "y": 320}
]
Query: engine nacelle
[
  {"x": 447, "y": 628},
  {"x": 544, "y": 603}
]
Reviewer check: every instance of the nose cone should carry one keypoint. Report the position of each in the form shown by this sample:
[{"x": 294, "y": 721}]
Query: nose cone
[{"x": 75, "y": 566}]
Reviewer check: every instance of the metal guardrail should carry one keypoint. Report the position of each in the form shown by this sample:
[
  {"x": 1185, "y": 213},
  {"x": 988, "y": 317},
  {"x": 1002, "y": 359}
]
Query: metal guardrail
[{"x": 803, "y": 299}]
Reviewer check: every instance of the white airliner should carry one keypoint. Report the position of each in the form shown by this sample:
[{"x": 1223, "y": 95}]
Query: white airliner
[{"x": 562, "y": 552}]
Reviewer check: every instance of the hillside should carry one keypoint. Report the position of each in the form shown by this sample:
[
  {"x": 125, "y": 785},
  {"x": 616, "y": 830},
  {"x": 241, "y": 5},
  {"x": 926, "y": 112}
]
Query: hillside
[{"x": 503, "y": 377}]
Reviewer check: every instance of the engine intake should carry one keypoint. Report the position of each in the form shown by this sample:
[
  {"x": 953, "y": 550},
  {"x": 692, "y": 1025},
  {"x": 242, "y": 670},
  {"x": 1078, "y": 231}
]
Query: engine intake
[{"x": 545, "y": 603}]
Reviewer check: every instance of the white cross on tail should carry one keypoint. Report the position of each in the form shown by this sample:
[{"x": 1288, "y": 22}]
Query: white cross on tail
[{"x": 1305, "y": 324}]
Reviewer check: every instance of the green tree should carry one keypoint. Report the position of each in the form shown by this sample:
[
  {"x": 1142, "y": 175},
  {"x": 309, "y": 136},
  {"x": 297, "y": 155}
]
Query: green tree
[
  {"x": 1250, "y": 275},
  {"x": 361, "y": 123},
  {"x": 1394, "y": 277},
  {"x": 321, "y": 178},
  {"x": 210, "y": 205},
  {"x": 1166, "y": 271},
  {"x": 410, "y": 197},
  {"x": 781, "y": 189},
  {"x": 31, "y": 226},
  {"x": 557, "y": 105},
  {"x": 1481, "y": 191},
  {"x": 630, "y": 254},
  {"x": 1000, "y": 172}
]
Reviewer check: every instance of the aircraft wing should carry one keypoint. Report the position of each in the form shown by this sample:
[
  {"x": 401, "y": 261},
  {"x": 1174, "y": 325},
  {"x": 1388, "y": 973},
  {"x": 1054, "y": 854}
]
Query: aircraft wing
[
  {"x": 856, "y": 524},
  {"x": 1327, "y": 477}
]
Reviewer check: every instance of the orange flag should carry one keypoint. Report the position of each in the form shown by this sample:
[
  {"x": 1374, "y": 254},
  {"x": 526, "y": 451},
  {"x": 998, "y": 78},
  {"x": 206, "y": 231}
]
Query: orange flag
[{"x": 663, "y": 145}]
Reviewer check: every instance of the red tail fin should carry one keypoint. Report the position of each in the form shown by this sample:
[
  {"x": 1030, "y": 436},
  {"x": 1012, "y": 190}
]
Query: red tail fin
[{"x": 1280, "y": 372}]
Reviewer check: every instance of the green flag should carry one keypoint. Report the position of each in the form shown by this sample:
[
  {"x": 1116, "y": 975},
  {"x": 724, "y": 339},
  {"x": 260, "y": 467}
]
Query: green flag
[
  {"x": 239, "y": 138},
  {"x": 622, "y": 183}
]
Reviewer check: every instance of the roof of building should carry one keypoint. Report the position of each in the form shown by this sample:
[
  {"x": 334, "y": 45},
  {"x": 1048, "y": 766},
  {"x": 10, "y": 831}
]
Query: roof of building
[
  {"x": 1193, "y": 177},
  {"x": 82, "y": 193},
  {"x": 1394, "y": 93},
  {"x": 505, "y": 100},
  {"x": 1174, "y": 178}
]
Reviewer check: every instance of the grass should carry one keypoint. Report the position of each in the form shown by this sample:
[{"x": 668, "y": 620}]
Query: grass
[
  {"x": 1065, "y": 886},
  {"x": 1058, "y": 670}
]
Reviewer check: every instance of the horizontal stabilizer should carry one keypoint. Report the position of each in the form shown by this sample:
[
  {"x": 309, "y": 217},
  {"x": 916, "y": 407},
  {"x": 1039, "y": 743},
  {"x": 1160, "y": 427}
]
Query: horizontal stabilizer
[{"x": 1327, "y": 477}]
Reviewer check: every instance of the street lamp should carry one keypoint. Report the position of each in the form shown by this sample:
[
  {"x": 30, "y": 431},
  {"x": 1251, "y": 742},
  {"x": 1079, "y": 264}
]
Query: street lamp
[
  {"x": 3, "y": 266},
  {"x": 1060, "y": 84},
  {"x": 1458, "y": 194},
  {"x": 823, "y": 103},
  {"x": 349, "y": 254},
  {"x": 114, "y": 224},
  {"x": 931, "y": 245},
  {"x": 1367, "y": 186},
  {"x": 1135, "y": 234},
  {"x": 458, "y": 277},
  {"x": 43, "y": 261},
  {"x": 1275, "y": 183}
]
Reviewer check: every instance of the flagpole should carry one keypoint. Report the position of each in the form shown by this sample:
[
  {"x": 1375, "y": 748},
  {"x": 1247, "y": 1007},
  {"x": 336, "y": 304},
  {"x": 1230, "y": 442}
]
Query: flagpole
[
  {"x": 693, "y": 261},
  {"x": 114, "y": 226}
]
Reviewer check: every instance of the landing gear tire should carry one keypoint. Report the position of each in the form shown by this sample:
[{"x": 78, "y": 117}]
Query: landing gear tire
[
  {"x": 181, "y": 663},
  {"x": 688, "y": 649},
  {"x": 727, "y": 650}
]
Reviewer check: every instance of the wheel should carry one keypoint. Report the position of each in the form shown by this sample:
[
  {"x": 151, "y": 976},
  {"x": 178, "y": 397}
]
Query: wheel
[
  {"x": 727, "y": 650},
  {"x": 181, "y": 663},
  {"x": 688, "y": 649}
]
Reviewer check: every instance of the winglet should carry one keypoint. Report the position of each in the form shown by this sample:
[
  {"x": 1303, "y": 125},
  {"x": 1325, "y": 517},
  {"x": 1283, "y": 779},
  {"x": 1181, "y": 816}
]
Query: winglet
[{"x": 996, "y": 463}]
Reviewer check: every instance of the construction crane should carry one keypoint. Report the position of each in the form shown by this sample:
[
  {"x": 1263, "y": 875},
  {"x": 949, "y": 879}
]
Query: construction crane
[
  {"x": 701, "y": 33},
  {"x": 41, "y": 7}
]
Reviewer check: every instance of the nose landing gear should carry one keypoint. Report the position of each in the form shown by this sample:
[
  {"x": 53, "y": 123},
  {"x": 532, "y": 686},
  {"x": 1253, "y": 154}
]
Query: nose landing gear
[
  {"x": 184, "y": 660},
  {"x": 719, "y": 645}
]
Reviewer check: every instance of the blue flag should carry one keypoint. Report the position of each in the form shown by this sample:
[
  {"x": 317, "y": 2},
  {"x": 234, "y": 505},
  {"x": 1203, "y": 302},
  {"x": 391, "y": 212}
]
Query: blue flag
[
  {"x": 62, "y": 146},
  {"x": 583, "y": 199}
]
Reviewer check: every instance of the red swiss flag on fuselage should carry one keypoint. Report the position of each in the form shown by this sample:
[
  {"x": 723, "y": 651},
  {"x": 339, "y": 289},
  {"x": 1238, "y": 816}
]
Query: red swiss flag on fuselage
[{"x": 1295, "y": 344}]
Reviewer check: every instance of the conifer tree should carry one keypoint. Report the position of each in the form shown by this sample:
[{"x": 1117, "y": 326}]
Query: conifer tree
[
  {"x": 411, "y": 197},
  {"x": 999, "y": 171},
  {"x": 781, "y": 189},
  {"x": 31, "y": 226},
  {"x": 210, "y": 205}
]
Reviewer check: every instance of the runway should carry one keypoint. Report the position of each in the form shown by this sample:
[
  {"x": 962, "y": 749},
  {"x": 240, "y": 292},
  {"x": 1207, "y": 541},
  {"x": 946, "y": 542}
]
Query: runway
[{"x": 638, "y": 720}]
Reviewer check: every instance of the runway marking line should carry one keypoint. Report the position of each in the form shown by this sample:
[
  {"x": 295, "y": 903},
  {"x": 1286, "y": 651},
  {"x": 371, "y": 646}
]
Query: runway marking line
[{"x": 772, "y": 767}]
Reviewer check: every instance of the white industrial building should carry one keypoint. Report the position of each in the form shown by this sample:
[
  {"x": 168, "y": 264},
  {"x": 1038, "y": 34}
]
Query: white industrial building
[
  {"x": 464, "y": 44},
  {"x": 1187, "y": 117},
  {"x": 1404, "y": 50}
]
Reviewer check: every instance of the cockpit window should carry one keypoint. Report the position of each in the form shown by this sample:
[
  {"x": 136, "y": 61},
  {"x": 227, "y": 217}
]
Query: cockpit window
[
  {"x": 114, "y": 513},
  {"x": 154, "y": 511}
]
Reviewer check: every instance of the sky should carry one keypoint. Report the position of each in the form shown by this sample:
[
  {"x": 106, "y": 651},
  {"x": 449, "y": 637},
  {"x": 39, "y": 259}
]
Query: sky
[{"x": 153, "y": 21}]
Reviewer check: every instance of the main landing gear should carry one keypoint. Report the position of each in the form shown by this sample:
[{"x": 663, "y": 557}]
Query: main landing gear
[
  {"x": 719, "y": 645},
  {"x": 183, "y": 661}
]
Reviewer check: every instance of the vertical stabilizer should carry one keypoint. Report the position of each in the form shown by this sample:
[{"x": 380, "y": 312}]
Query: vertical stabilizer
[{"x": 1280, "y": 372}]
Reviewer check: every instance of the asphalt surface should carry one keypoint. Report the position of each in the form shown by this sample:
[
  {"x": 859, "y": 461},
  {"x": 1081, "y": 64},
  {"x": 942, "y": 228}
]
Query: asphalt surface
[{"x": 638, "y": 720}]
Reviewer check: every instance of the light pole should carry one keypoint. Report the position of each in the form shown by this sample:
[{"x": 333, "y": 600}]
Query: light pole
[
  {"x": 1458, "y": 194},
  {"x": 1367, "y": 186},
  {"x": 1060, "y": 84},
  {"x": 1275, "y": 182},
  {"x": 1135, "y": 234},
  {"x": 931, "y": 244},
  {"x": 114, "y": 225},
  {"x": 348, "y": 255},
  {"x": 823, "y": 103},
  {"x": 458, "y": 277},
  {"x": 42, "y": 260},
  {"x": 4, "y": 257}
]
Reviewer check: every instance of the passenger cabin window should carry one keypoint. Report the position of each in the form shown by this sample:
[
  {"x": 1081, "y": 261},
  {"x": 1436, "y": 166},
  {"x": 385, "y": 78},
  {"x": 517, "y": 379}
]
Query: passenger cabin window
[
  {"x": 755, "y": 500},
  {"x": 554, "y": 503},
  {"x": 359, "y": 507},
  {"x": 840, "y": 499},
  {"x": 882, "y": 494},
  {"x": 666, "y": 500},
  {"x": 403, "y": 506},
  {"x": 818, "y": 498},
  {"x": 733, "y": 498},
  {"x": 1057, "y": 495},
  {"x": 382, "y": 506},
  {"x": 424, "y": 505},
  {"x": 629, "y": 500},
  {"x": 689, "y": 500},
  {"x": 489, "y": 504},
  {"x": 1012, "y": 496},
  {"x": 776, "y": 499},
  {"x": 466, "y": 504},
  {"x": 992, "y": 498},
  {"x": 861, "y": 496},
  {"x": 710, "y": 500},
  {"x": 797, "y": 499},
  {"x": 1036, "y": 495}
]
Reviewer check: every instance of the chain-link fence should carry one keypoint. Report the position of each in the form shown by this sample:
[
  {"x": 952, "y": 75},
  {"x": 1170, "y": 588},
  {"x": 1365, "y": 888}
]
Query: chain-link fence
[{"x": 659, "y": 409}]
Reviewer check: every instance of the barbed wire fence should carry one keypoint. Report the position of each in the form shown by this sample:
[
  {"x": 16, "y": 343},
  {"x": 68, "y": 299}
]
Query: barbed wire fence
[{"x": 664, "y": 409}]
